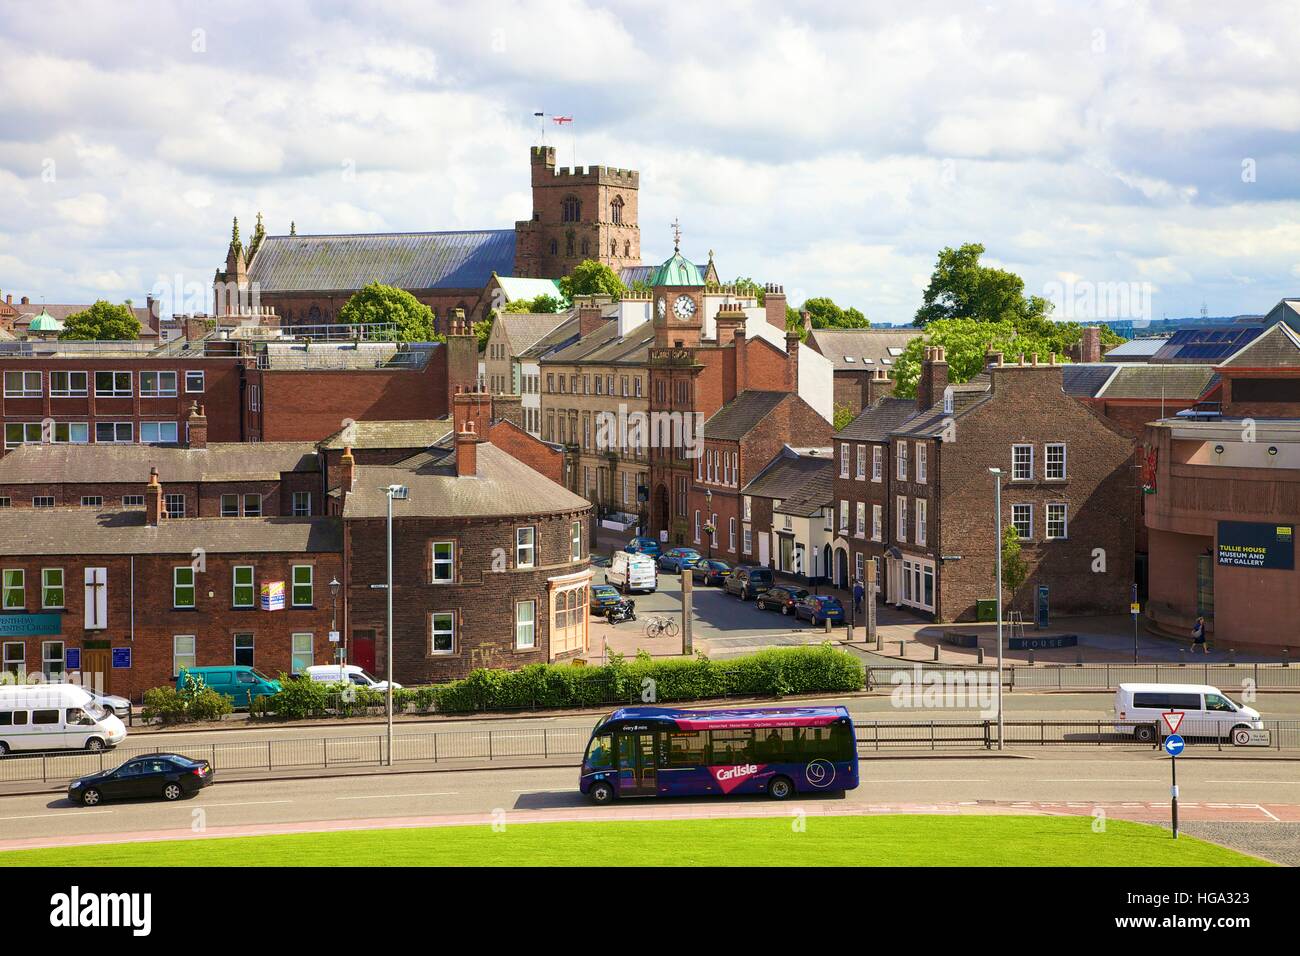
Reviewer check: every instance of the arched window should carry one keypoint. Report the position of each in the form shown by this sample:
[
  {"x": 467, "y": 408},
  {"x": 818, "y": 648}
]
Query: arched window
[
  {"x": 586, "y": 247},
  {"x": 568, "y": 245},
  {"x": 572, "y": 209},
  {"x": 313, "y": 315},
  {"x": 627, "y": 247},
  {"x": 555, "y": 247},
  {"x": 613, "y": 248},
  {"x": 616, "y": 211}
]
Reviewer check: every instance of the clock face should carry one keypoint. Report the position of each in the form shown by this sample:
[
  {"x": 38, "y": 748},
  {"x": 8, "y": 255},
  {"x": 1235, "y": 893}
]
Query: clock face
[
  {"x": 684, "y": 307},
  {"x": 663, "y": 307}
]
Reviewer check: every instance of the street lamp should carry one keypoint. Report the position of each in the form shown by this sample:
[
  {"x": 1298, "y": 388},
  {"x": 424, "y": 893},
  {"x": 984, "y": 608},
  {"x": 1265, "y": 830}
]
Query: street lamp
[
  {"x": 334, "y": 622},
  {"x": 394, "y": 493},
  {"x": 997, "y": 520},
  {"x": 708, "y": 520}
]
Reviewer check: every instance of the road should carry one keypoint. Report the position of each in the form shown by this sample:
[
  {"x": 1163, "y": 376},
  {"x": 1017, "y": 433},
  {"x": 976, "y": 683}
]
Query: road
[{"x": 1242, "y": 789}]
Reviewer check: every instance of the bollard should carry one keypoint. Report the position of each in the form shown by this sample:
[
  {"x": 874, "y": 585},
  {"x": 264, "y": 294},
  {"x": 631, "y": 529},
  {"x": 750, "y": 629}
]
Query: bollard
[
  {"x": 827, "y": 628},
  {"x": 1031, "y": 658},
  {"x": 936, "y": 652},
  {"x": 1285, "y": 660},
  {"x": 1232, "y": 657},
  {"x": 979, "y": 655},
  {"x": 850, "y": 637},
  {"x": 1182, "y": 657},
  {"x": 902, "y": 652}
]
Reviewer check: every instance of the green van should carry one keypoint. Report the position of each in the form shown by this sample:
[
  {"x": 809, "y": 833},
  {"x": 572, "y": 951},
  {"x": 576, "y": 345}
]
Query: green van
[{"x": 239, "y": 682}]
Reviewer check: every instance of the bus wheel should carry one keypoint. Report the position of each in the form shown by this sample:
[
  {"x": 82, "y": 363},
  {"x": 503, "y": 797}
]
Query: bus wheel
[
  {"x": 94, "y": 745},
  {"x": 780, "y": 788},
  {"x": 601, "y": 792}
]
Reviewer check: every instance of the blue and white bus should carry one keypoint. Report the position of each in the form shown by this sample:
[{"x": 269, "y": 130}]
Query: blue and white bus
[{"x": 778, "y": 751}]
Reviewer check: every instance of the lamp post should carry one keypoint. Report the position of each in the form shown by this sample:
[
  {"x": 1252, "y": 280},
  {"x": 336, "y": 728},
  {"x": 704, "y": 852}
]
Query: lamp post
[
  {"x": 708, "y": 520},
  {"x": 997, "y": 522},
  {"x": 334, "y": 622},
  {"x": 394, "y": 493}
]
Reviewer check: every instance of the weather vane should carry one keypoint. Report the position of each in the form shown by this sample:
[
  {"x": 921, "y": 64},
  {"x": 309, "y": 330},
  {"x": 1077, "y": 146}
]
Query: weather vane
[{"x": 677, "y": 236}]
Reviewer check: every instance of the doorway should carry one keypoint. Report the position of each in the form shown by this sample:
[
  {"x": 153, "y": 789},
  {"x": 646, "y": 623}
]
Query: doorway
[
  {"x": 637, "y": 775},
  {"x": 97, "y": 669},
  {"x": 362, "y": 651}
]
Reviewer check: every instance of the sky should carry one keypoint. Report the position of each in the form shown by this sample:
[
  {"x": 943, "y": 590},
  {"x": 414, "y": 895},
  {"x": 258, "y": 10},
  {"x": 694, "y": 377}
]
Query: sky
[{"x": 1122, "y": 157}]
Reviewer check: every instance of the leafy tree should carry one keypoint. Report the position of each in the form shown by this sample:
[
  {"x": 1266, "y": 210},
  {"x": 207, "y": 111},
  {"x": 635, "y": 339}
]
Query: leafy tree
[
  {"x": 1014, "y": 568},
  {"x": 843, "y": 417},
  {"x": 102, "y": 322},
  {"x": 483, "y": 330},
  {"x": 592, "y": 277},
  {"x": 961, "y": 288},
  {"x": 384, "y": 303},
  {"x": 827, "y": 315},
  {"x": 541, "y": 303},
  {"x": 745, "y": 285}
]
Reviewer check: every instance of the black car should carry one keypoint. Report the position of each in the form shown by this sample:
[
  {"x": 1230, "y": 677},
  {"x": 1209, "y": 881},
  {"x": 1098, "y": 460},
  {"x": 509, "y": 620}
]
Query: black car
[
  {"x": 710, "y": 572},
  {"x": 781, "y": 598},
  {"x": 748, "y": 581},
  {"x": 170, "y": 776}
]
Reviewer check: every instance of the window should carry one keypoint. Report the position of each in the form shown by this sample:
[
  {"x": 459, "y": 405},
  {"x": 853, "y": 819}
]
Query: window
[
  {"x": 244, "y": 649},
  {"x": 5, "y": 502},
  {"x": 877, "y": 522},
  {"x": 920, "y": 520},
  {"x": 15, "y": 589},
  {"x": 15, "y": 658},
  {"x": 114, "y": 433},
  {"x": 174, "y": 505},
  {"x": 70, "y": 433},
  {"x": 301, "y": 504},
  {"x": 525, "y": 546},
  {"x": 303, "y": 657},
  {"x": 442, "y": 633},
  {"x": 52, "y": 587},
  {"x": 921, "y": 461},
  {"x": 22, "y": 433},
  {"x": 443, "y": 561},
  {"x": 252, "y": 505},
  {"x": 572, "y": 209},
  {"x": 900, "y": 518},
  {"x": 92, "y": 501},
  {"x": 183, "y": 653},
  {"x": 844, "y": 459},
  {"x": 900, "y": 471},
  {"x": 133, "y": 501},
  {"x": 731, "y": 534},
  {"x": 1022, "y": 462},
  {"x": 844, "y": 516},
  {"x": 183, "y": 587},
  {"x": 158, "y": 433},
  {"x": 862, "y": 462},
  {"x": 1054, "y": 463},
  {"x": 697, "y": 525},
  {"x": 68, "y": 384},
  {"x": 747, "y": 539},
  {"x": 23, "y": 385},
  {"x": 43, "y": 501},
  {"x": 194, "y": 381},
  {"x": 1056, "y": 521},
  {"x": 230, "y": 506},
  {"x": 112, "y": 384},
  {"x": 157, "y": 384},
  {"x": 1022, "y": 518},
  {"x": 52, "y": 658},
  {"x": 861, "y": 528},
  {"x": 254, "y": 398},
  {"x": 525, "y": 624},
  {"x": 616, "y": 211},
  {"x": 303, "y": 590},
  {"x": 575, "y": 540},
  {"x": 713, "y": 535},
  {"x": 243, "y": 592}
]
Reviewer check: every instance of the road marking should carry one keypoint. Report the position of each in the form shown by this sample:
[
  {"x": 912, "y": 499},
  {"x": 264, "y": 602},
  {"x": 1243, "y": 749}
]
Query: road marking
[
  {"x": 391, "y": 796},
  {"x": 1258, "y": 782},
  {"x": 539, "y": 791},
  {"x": 872, "y": 780},
  {"x": 42, "y": 816},
  {"x": 1271, "y": 817},
  {"x": 1093, "y": 780},
  {"x": 247, "y": 803}
]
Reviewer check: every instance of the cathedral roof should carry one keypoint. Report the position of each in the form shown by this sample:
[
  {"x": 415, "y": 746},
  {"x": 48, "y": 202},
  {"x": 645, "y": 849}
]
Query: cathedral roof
[{"x": 407, "y": 260}]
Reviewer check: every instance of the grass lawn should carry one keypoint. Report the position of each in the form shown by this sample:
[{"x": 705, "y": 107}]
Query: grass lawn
[{"x": 826, "y": 841}]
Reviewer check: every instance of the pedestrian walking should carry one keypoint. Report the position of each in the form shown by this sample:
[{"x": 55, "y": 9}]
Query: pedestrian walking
[
  {"x": 1198, "y": 636},
  {"x": 859, "y": 592}
]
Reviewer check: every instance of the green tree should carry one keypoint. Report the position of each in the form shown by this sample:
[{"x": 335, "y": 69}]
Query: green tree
[
  {"x": 1014, "y": 568},
  {"x": 102, "y": 322},
  {"x": 827, "y": 315},
  {"x": 483, "y": 330},
  {"x": 384, "y": 303},
  {"x": 961, "y": 288},
  {"x": 747, "y": 286},
  {"x": 592, "y": 278},
  {"x": 843, "y": 417},
  {"x": 541, "y": 303}
]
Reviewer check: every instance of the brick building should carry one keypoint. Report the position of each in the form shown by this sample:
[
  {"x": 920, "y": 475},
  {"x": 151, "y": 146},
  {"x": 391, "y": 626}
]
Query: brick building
[
  {"x": 859, "y": 356},
  {"x": 787, "y": 516},
  {"x": 490, "y": 562}
]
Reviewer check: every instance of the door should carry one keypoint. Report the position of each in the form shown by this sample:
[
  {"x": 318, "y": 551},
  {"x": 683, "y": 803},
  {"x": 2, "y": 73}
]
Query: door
[
  {"x": 842, "y": 568},
  {"x": 762, "y": 550},
  {"x": 97, "y": 669},
  {"x": 636, "y": 765},
  {"x": 362, "y": 651}
]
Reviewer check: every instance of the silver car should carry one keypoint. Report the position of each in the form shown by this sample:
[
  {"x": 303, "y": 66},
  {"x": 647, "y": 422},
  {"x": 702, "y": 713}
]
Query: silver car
[{"x": 118, "y": 706}]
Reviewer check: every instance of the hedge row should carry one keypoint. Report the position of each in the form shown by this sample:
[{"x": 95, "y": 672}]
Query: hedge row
[{"x": 777, "y": 672}]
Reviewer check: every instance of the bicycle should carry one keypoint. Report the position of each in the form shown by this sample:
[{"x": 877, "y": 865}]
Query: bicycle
[{"x": 661, "y": 627}]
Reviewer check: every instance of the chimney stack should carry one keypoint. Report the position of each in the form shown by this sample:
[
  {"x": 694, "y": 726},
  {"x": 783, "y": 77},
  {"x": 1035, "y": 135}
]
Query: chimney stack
[
  {"x": 347, "y": 474},
  {"x": 792, "y": 361},
  {"x": 742, "y": 366},
  {"x": 589, "y": 317},
  {"x": 153, "y": 500},
  {"x": 470, "y": 405},
  {"x": 508, "y": 408},
  {"x": 467, "y": 452},
  {"x": 1090, "y": 344},
  {"x": 774, "y": 303},
  {"x": 196, "y": 426},
  {"x": 934, "y": 377},
  {"x": 879, "y": 385}
]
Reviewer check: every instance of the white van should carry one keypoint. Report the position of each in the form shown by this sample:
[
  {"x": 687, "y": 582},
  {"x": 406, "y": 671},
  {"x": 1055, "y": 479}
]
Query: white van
[
  {"x": 1209, "y": 712},
  {"x": 347, "y": 674},
  {"x": 632, "y": 572},
  {"x": 55, "y": 717}
]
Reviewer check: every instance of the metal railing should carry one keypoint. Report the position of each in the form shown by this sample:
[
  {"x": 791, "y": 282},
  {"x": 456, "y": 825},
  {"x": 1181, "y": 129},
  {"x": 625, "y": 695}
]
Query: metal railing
[
  {"x": 1265, "y": 676},
  {"x": 875, "y": 735}
]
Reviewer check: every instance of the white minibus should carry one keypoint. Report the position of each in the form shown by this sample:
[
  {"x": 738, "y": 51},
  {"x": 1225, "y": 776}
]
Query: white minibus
[
  {"x": 55, "y": 717},
  {"x": 1207, "y": 711}
]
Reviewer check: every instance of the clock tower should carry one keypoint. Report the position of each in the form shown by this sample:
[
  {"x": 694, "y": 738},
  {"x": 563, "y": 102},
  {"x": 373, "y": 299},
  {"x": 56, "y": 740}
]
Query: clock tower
[{"x": 678, "y": 300}]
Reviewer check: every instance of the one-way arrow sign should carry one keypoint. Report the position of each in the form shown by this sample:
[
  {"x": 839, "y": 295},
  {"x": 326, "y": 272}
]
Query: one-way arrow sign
[{"x": 1173, "y": 720}]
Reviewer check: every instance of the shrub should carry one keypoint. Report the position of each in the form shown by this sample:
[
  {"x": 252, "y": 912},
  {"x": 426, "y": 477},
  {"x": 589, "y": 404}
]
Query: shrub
[{"x": 193, "y": 701}]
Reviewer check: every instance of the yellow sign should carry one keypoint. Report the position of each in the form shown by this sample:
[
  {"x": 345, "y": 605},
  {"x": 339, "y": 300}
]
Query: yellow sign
[{"x": 1135, "y": 608}]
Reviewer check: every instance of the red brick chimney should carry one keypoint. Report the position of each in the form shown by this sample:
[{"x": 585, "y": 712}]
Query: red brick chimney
[
  {"x": 934, "y": 377},
  {"x": 347, "y": 473},
  {"x": 153, "y": 499},
  {"x": 461, "y": 355},
  {"x": 196, "y": 426},
  {"x": 1090, "y": 344},
  {"x": 589, "y": 318},
  {"x": 792, "y": 361},
  {"x": 472, "y": 406},
  {"x": 467, "y": 452},
  {"x": 774, "y": 302},
  {"x": 742, "y": 367}
]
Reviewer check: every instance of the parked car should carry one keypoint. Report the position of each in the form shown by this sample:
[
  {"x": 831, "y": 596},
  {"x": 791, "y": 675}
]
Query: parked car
[
  {"x": 347, "y": 674},
  {"x": 748, "y": 581},
  {"x": 55, "y": 717},
  {"x": 170, "y": 776},
  {"x": 643, "y": 546},
  {"x": 675, "y": 559},
  {"x": 118, "y": 706},
  {"x": 603, "y": 597},
  {"x": 710, "y": 572},
  {"x": 629, "y": 571},
  {"x": 819, "y": 608},
  {"x": 782, "y": 597},
  {"x": 239, "y": 682},
  {"x": 1208, "y": 711}
]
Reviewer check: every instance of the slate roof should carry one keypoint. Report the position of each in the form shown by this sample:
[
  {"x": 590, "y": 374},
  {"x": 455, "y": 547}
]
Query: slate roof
[
  {"x": 32, "y": 531},
  {"x": 1205, "y": 345},
  {"x": 739, "y": 416},
  {"x": 503, "y": 487},
  {"x": 858, "y": 349},
  {"x": 1277, "y": 347},
  {"x": 407, "y": 260},
  {"x": 801, "y": 480},
  {"x": 526, "y": 329},
  {"x": 876, "y": 422},
  {"x": 420, "y": 433},
  {"x": 1085, "y": 380},
  {"x": 1154, "y": 381},
  {"x": 606, "y": 347},
  {"x": 559, "y": 337},
  {"x": 220, "y": 461},
  {"x": 965, "y": 396}
]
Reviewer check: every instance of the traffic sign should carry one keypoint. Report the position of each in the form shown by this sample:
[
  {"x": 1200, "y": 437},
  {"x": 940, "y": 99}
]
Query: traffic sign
[
  {"x": 1174, "y": 745},
  {"x": 1173, "y": 720}
]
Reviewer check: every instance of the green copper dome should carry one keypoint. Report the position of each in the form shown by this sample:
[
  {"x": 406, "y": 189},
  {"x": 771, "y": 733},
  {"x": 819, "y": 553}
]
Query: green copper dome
[
  {"x": 677, "y": 271},
  {"x": 45, "y": 323}
]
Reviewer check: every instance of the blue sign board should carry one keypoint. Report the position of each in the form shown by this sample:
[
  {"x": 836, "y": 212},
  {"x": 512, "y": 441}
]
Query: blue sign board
[
  {"x": 30, "y": 625},
  {"x": 121, "y": 658},
  {"x": 1251, "y": 544},
  {"x": 72, "y": 658},
  {"x": 1174, "y": 745}
]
